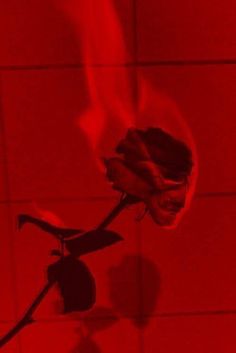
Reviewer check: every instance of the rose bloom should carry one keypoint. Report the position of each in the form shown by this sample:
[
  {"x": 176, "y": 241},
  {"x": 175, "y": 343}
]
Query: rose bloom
[{"x": 155, "y": 168}]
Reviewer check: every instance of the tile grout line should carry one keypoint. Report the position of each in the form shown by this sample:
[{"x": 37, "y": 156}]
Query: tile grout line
[
  {"x": 106, "y": 198},
  {"x": 137, "y": 226},
  {"x": 138, "y": 63},
  {"x": 161, "y": 315}
]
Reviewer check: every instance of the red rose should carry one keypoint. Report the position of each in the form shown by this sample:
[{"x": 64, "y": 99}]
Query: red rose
[{"x": 153, "y": 167}]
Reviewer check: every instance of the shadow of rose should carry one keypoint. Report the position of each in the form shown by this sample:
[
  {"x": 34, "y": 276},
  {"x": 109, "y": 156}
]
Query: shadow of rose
[{"x": 134, "y": 287}]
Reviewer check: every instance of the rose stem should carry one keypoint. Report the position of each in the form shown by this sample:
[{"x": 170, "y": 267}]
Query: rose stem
[
  {"x": 27, "y": 318},
  {"x": 115, "y": 212}
]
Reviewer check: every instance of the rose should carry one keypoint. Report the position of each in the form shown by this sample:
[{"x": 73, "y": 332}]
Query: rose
[{"x": 155, "y": 168}]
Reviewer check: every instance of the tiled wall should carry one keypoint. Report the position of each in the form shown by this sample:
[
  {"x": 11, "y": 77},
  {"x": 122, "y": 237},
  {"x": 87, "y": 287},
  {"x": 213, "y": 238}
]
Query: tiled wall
[{"x": 159, "y": 291}]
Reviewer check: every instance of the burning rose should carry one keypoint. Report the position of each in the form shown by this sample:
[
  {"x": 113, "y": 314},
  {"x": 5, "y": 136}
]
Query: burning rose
[{"x": 155, "y": 168}]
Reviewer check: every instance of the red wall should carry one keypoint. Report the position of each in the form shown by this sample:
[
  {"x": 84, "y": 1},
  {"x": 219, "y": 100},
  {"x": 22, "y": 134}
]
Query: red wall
[{"x": 159, "y": 291}]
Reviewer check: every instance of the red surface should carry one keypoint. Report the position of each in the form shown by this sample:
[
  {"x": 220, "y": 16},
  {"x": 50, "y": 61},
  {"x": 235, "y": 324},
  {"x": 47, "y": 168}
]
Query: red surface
[
  {"x": 46, "y": 159},
  {"x": 205, "y": 97},
  {"x": 170, "y": 30}
]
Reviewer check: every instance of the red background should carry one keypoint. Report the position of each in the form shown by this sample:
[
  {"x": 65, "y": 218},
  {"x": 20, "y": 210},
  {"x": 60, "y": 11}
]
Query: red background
[{"x": 186, "y": 49}]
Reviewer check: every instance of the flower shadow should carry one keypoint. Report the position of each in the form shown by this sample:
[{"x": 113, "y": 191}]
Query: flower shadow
[{"x": 134, "y": 287}]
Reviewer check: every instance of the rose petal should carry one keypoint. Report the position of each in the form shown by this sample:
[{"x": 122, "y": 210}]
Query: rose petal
[
  {"x": 125, "y": 180},
  {"x": 166, "y": 150},
  {"x": 129, "y": 150},
  {"x": 167, "y": 207},
  {"x": 160, "y": 216},
  {"x": 150, "y": 172},
  {"x": 133, "y": 142}
]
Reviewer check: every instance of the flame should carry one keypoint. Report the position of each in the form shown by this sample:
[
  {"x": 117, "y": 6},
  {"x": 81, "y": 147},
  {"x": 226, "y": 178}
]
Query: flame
[
  {"x": 157, "y": 109},
  {"x": 110, "y": 93},
  {"x": 113, "y": 108}
]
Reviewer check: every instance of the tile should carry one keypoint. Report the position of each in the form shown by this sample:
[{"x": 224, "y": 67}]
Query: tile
[
  {"x": 49, "y": 155},
  {"x": 51, "y": 32},
  {"x": 204, "y": 97},
  {"x": 195, "y": 262},
  {"x": 119, "y": 337},
  {"x": 170, "y": 30},
  {"x": 3, "y": 168},
  {"x": 3, "y": 187},
  {"x": 49, "y": 337},
  {"x": 75, "y": 336},
  {"x": 195, "y": 334}
]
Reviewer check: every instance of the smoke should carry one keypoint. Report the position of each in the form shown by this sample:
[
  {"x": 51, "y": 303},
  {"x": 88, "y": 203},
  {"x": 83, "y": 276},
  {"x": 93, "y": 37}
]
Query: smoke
[{"x": 113, "y": 105}]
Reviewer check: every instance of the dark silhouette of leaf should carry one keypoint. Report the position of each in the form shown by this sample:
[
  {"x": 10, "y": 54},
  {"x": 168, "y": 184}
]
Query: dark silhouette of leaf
[
  {"x": 75, "y": 282},
  {"x": 92, "y": 241},
  {"x": 58, "y": 232}
]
